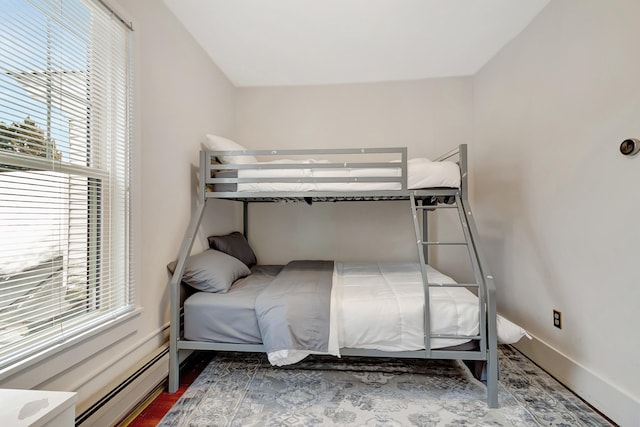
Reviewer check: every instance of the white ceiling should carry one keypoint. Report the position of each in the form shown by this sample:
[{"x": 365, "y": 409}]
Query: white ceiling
[{"x": 308, "y": 42}]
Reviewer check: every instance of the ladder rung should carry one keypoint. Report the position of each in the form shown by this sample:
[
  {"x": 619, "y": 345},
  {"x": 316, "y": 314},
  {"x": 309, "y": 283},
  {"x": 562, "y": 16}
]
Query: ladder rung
[
  {"x": 453, "y": 285},
  {"x": 442, "y": 243}
]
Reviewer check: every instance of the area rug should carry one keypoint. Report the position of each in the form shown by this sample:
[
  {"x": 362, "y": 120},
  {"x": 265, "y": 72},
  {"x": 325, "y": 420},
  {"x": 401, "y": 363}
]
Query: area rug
[{"x": 242, "y": 389}]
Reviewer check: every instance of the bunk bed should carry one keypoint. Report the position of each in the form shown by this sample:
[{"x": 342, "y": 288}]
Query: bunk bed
[{"x": 367, "y": 174}]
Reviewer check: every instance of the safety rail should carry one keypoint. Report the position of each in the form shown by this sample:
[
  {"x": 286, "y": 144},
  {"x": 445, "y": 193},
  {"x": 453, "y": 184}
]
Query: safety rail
[{"x": 386, "y": 165}]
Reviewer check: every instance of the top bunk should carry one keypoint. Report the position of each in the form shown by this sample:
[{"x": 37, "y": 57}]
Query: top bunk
[{"x": 329, "y": 175}]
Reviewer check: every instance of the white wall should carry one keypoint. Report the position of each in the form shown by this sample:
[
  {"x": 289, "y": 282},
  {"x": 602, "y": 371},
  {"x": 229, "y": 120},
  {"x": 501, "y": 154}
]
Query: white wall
[
  {"x": 183, "y": 96},
  {"x": 557, "y": 204},
  {"x": 428, "y": 116},
  {"x": 180, "y": 95}
]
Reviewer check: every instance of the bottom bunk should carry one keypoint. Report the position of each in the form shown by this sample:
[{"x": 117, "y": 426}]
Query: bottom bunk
[{"x": 325, "y": 307}]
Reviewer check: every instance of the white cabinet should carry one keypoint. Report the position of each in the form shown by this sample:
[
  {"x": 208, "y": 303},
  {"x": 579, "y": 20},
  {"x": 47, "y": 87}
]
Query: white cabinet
[{"x": 37, "y": 408}]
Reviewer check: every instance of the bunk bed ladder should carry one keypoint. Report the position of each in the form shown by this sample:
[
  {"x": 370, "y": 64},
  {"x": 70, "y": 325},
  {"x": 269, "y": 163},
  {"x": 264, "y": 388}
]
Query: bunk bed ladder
[
  {"x": 423, "y": 243},
  {"x": 484, "y": 282}
]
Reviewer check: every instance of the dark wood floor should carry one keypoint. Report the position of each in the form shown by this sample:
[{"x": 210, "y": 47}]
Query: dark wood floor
[{"x": 154, "y": 412}]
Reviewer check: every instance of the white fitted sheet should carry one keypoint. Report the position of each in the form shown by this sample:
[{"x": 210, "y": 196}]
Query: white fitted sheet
[{"x": 421, "y": 173}]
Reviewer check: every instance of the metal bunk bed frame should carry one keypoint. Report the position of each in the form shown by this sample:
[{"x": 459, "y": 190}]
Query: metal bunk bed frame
[{"x": 428, "y": 198}]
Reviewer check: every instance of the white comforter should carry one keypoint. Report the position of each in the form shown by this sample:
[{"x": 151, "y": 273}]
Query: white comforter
[
  {"x": 381, "y": 306},
  {"x": 421, "y": 173}
]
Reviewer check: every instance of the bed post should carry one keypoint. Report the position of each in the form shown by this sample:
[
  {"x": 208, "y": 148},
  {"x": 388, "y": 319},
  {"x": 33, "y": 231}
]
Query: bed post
[
  {"x": 174, "y": 291},
  {"x": 485, "y": 280},
  {"x": 488, "y": 289},
  {"x": 423, "y": 271},
  {"x": 492, "y": 358},
  {"x": 245, "y": 219},
  {"x": 425, "y": 231},
  {"x": 491, "y": 311},
  {"x": 464, "y": 168}
]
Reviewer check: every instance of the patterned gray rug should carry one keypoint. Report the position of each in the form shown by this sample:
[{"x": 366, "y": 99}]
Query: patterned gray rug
[{"x": 242, "y": 389}]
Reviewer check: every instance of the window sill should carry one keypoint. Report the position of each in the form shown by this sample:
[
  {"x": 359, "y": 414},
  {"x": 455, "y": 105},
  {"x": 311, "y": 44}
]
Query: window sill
[{"x": 119, "y": 328}]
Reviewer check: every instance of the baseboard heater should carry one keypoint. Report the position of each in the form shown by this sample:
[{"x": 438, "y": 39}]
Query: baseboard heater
[{"x": 84, "y": 416}]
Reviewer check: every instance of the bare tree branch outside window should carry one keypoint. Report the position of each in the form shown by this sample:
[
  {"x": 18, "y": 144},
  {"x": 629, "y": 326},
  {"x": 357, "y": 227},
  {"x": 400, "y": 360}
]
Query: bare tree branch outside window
[{"x": 27, "y": 138}]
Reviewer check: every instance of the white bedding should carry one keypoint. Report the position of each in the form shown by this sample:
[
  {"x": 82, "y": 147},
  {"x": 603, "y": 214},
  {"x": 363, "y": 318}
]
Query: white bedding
[
  {"x": 421, "y": 173},
  {"x": 380, "y": 306}
]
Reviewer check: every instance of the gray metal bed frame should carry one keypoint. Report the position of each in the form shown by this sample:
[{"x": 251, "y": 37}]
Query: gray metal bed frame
[{"x": 487, "y": 338}]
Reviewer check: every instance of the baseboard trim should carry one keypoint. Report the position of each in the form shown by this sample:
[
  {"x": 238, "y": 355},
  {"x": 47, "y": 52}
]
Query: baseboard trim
[
  {"x": 124, "y": 398},
  {"x": 614, "y": 403},
  {"x": 102, "y": 402},
  {"x": 143, "y": 404}
]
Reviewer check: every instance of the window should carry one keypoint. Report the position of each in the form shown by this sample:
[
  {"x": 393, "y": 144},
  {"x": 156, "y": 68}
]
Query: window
[{"x": 65, "y": 126}]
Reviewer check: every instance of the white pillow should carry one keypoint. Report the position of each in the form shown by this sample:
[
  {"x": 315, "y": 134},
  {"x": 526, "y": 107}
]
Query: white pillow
[
  {"x": 509, "y": 332},
  {"x": 218, "y": 143}
]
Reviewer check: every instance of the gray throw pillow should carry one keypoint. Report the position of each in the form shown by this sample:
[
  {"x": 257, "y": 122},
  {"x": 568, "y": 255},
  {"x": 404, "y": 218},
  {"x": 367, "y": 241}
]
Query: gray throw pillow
[
  {"x": 234, "y": 244},
  {"x": 212, "y": 271}
]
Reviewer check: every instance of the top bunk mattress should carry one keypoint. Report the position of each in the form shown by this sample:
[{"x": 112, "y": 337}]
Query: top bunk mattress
[{"x": 265, "y": 177}]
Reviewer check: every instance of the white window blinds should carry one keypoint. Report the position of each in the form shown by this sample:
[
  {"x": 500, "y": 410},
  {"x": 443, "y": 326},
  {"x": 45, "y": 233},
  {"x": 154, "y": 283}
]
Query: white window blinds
[{"x": 65, "y": 127}]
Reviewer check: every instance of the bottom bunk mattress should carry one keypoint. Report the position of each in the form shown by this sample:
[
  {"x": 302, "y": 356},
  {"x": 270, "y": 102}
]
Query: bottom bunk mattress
[
  {"x": 376, "y": 306},
  {"x": 228, "y": 317}
]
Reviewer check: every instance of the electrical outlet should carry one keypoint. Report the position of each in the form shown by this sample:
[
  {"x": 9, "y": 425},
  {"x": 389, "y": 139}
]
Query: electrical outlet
[{"x": 557, "y": 319}]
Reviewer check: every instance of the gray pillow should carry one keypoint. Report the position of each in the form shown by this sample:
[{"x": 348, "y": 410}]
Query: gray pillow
[
  {"x": 211, "y": 271},
  {"x": 234, "y": 244}
]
